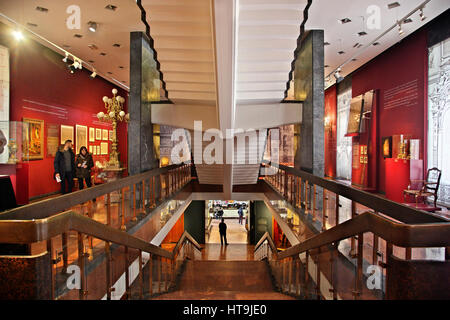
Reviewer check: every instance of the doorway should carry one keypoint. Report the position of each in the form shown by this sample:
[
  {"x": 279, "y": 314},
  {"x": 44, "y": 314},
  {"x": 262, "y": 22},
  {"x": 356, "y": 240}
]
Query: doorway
[{"x": 237, "y": 229}]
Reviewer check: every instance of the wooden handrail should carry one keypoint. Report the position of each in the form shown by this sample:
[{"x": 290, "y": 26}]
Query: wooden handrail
[
  {"x": 399, "y": 234},
  {"x": 267, "y": 237},
  {"x": 30, "y": 231},
  {"x": 393, "y": 209},
  {"x": 47, "y": 207},
  {"x": 185, "y": 237}
]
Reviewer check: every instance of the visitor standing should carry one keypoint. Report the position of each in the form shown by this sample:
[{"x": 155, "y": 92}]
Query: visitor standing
[
  {"x": 65, "y": 166},
  {"x": 223, "y": 232}
]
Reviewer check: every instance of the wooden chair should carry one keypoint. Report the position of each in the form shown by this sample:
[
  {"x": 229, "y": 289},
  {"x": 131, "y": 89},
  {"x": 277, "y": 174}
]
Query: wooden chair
[{"x": 425, "y": 188}]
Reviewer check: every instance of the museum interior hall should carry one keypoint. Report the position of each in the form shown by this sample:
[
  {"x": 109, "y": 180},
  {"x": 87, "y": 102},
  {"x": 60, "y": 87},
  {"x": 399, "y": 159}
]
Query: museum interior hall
[{"x": 224, "y": 150}]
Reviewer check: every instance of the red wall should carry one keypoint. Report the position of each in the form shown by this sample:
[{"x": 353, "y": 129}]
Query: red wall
[
  {"x": 330, "y": 131},
  {"x": 401, "y": 64},
  {"x": 42, "y": 88},
  {"x": 404, "y": 62}
]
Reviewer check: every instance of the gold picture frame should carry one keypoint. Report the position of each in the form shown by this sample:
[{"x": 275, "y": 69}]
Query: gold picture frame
[
  {"x": 66, "y": 133},
  {"x": 98, "y": 134},
  {"x": 104, "y": 148},
  {"x": 105, "y": 134},
  {"x": 91, "y": 134},
  {"x": 33, "y": 139},
  {"x": 82, "y": 138}
]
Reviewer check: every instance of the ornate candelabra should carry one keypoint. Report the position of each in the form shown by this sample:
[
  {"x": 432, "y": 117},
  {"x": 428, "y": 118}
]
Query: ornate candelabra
[{"x": 114, "y": 114}]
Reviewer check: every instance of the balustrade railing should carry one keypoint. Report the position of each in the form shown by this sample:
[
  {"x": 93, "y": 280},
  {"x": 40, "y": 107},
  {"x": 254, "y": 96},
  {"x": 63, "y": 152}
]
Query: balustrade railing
[{"x": 360, "y": 243}]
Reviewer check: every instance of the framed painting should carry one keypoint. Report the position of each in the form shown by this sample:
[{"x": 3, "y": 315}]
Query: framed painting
[
  {"x": 66, "y": 133},
  {"x": 98, "y": 134},
  {"x": 104, "y": 148},
  {"x": 354, "y": 118},
  {"x": 90, "y": 149},
  {"x": 52, "y": 139},
  {"x": 98, "y": 150},
  {"x": 386, "y": 144},
  {"x": 105, "y": 135},
  {"x": 94, "y": 150},
  {"x": 33, "y": 139},
  {"x": 91, "y": 134},
  {"x": 82, "y": 137}
]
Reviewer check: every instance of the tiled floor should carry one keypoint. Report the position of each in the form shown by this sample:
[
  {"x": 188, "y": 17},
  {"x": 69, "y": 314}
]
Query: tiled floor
[{"x": 236, "y": 233}]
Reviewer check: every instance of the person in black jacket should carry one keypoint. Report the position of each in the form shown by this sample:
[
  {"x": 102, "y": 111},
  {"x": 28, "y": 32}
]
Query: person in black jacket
[
  {"x": 223, "y": 232},
  {"x": 65, "y": 166},
  {"x": 84, "y": 164}
]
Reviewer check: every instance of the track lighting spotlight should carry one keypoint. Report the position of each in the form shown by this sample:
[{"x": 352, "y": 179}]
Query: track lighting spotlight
[
  {"x": 400, "y": 30},
  {"x": 92, "y": 26},
  {"x": 337, "y": 75},
  {"x": 72, "y": 69},
  {"x": 65, "y": 58},
  {"x": 422, "y": 15},
  {"x": 93, "y": 74}
]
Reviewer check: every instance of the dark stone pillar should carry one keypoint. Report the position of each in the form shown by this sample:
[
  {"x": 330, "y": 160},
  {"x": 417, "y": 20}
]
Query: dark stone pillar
[
  {"x": 141, "y": 156},
  {"x": 194, "y": 220},
  {"x": 309, "y": 80}
]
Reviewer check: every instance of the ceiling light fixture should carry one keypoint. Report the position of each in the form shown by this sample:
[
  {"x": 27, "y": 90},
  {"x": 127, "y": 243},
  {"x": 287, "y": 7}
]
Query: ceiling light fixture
[
  {"x": 65, "y": 58},
  {"x": 383, "y": 34},
  {"x": 18, "y": 35},
  {"x": 93, "y": 74},
  {"x": 422, "y": 15},
  {"x": 337, "y": 75},
  {"x": 400, "y": 30},
  {"x": 92, "y": 26}
]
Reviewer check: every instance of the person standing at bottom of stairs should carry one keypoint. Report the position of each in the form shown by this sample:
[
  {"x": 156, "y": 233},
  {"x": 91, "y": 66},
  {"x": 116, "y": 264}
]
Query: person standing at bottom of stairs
[{"x": 223, "y": 232}]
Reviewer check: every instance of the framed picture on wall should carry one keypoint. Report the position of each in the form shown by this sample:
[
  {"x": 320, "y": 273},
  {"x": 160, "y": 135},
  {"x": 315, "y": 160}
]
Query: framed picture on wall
[
  {"x": 82, "y": 137},
  {"x": 110, "y": 135},
  {"x": 98, "y": 134},
  {"x": 98, "y": 150},
  {"x": 33, "y": 139},
  {"x": 104, "y": 148},
  {"x": 94, "y": 150},
  {"x": 91, "y": 134},
  {"x": 66, "y": 133},
  {"x": 386, "y": 145},
  {"x": 105, "y": 134},
  {"x": 52, "y": 139},
  {"x": 90, "y": 149}
]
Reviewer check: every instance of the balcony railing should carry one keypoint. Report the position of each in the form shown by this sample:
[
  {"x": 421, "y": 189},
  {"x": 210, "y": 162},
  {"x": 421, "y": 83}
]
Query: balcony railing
[{"x": 365, "y": 246}]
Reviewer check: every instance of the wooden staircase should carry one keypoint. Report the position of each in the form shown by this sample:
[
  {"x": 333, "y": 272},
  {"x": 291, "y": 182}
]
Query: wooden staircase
[{"x": 224, "y": 280}]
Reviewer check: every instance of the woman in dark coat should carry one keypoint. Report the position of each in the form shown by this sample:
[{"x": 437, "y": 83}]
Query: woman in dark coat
[{"x": 84, "y": 164}]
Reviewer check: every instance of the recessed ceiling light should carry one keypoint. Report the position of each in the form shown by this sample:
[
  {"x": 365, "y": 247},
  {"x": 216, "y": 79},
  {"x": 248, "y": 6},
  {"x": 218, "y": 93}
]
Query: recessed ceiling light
[
  {"x": 121, "y": 67},
  {"x": 102, "y": 53},
  {"x": 341, "y": 52},
  {"x": 362, "y": 33},
  {"x": 354, "y": 59},
  {"x": 42, "y": 9},
  {"x": 326, "y": 43},
  {"x": 32, "y": 24},
  {"x": 109, "y": 72},
  {"x": 77, "y": 35},
  {"x": 326, "y": 66},
  {"x": 66, "y": 46},
  {"x": 376, "y": 43},
  {"x": 92, "y": 46},
  {"x": 91, "y": 61},
  {"x": 92, "y": 26},
  {"x": 111, "y": 7},
  {"x": 408, "y": 20},
  {"x": 393, "y": 5},
  {"x": 345, "y": 20},
  {"x": 117, "y": 45},
  {"x": 356, "y": 45}
]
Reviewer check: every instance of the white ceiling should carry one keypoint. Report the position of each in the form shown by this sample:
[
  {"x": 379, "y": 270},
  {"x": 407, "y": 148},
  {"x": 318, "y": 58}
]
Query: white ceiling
[
  {"x": 275, "y": 20},
  {"x": 324, "y": 14},
  {"x": 113, "y": 27}
]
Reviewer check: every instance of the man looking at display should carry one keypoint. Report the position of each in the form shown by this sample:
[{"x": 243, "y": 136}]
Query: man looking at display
[{"x": 65, "y": 166}]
